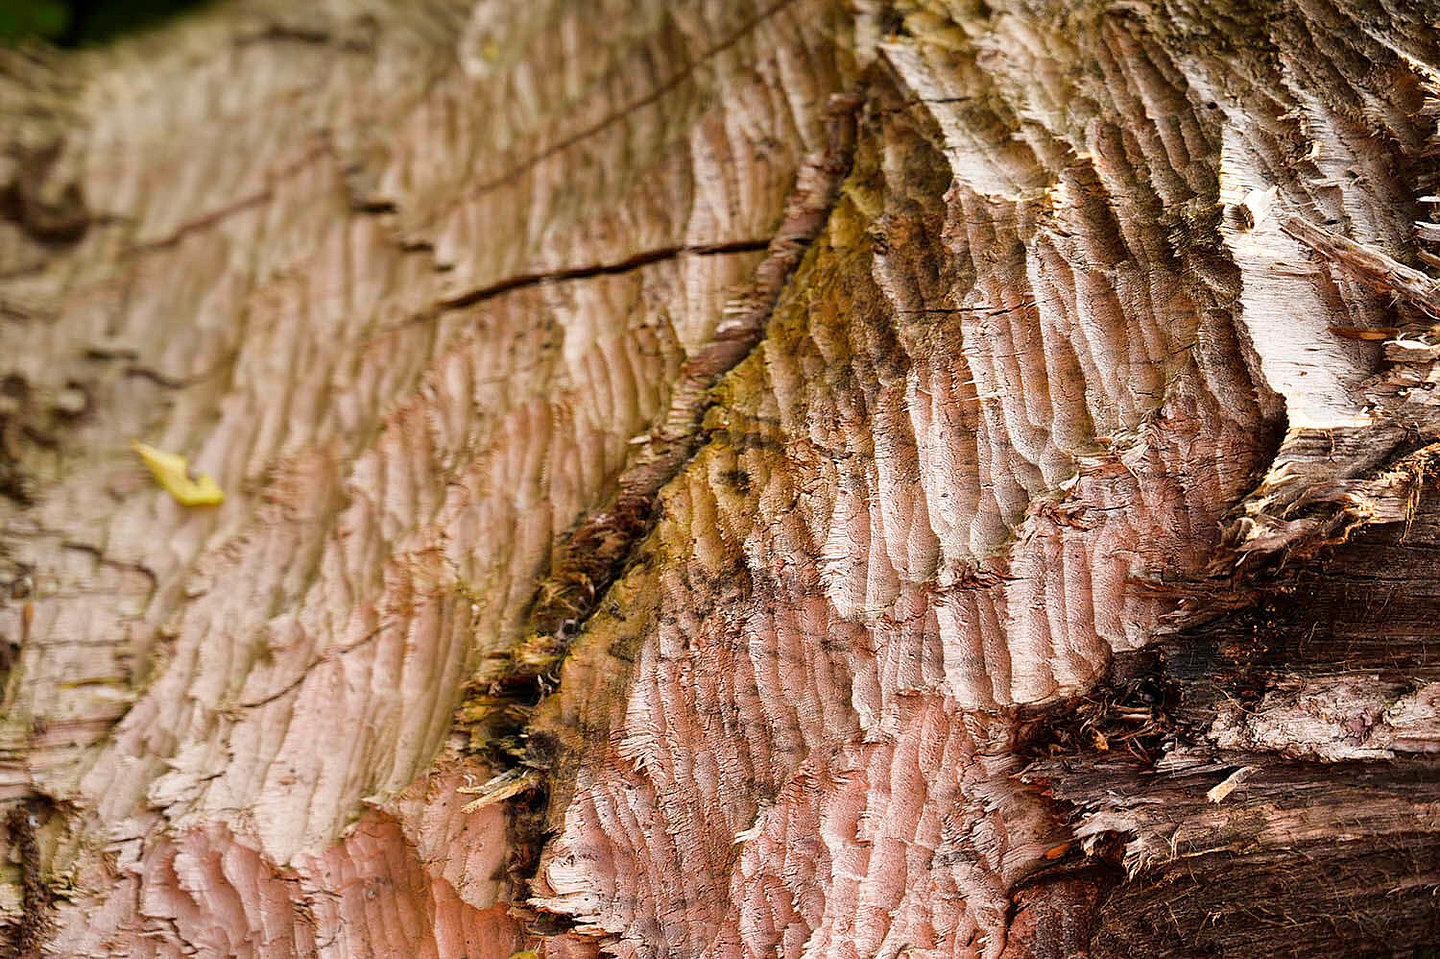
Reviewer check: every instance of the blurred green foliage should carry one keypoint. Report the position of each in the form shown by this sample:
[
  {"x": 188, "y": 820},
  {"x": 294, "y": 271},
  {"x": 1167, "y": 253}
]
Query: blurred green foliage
[
  {"x": 73, "y": 23},
  {"x": 33, "y": 18}
]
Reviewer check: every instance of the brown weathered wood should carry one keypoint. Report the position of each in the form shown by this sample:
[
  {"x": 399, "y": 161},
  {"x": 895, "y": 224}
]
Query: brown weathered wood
[{"x": 776, "y": 477}]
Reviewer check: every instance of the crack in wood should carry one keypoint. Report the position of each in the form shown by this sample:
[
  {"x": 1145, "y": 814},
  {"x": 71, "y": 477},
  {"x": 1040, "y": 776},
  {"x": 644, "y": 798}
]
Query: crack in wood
[
  {"x": 600, "y": 543},
  {"x": 326, "y": 657},
  {"x": 674, "y": 82},
  {"x": 250, "y": 201},
  {"x": 494, "y": 716},
  {"x": 646, "y": 258}
]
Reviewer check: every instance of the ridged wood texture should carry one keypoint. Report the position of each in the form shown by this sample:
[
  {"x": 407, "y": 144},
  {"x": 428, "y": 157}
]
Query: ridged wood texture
[{"x": 422, "y": 284}]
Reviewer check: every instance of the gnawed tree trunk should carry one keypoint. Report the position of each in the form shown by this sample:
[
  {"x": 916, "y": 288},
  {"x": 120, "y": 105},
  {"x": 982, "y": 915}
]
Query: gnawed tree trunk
[{"x": 724, "y": 478}]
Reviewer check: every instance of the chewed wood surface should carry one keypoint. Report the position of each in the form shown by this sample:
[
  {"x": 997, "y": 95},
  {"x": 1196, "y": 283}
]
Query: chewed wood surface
[{"x": 785, "y": 442}]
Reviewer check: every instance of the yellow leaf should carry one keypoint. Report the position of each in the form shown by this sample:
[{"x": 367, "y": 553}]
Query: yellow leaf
[{"x": 174, "y": 474}]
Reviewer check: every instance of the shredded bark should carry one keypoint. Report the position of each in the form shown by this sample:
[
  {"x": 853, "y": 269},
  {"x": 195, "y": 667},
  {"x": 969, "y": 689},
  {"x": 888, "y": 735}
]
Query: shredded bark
[{"x": 27, "y": 936}]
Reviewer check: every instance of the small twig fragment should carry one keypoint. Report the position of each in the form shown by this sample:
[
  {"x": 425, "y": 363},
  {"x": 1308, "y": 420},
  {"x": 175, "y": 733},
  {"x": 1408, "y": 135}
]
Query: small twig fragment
[
  {"x": 512, "y": 782},
  {"x": 1228, "y": 785}
]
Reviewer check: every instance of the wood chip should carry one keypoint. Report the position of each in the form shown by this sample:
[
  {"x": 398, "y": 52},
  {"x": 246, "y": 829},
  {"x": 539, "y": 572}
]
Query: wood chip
[{"x": 1228, "y": 785}]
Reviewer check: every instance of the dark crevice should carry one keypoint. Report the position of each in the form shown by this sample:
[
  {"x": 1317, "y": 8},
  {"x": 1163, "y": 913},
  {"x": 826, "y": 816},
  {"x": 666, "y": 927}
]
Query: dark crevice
[
  {"x": 26, "y": 935},
  {"x": 53, "y": 217},
  {"x": 522, "y": 280},
  {"x": 495, "y": 714}
]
